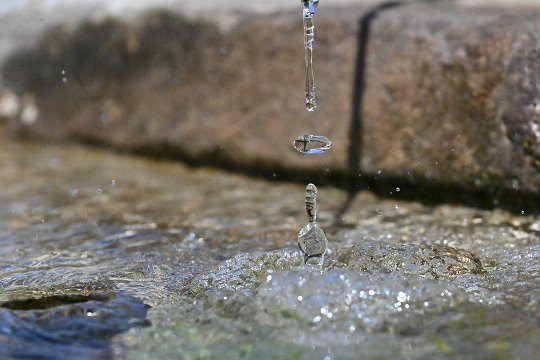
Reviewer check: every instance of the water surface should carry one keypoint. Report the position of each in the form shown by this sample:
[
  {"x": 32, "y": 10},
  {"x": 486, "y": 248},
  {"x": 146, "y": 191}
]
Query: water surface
[{"x": 172, "y": 262}]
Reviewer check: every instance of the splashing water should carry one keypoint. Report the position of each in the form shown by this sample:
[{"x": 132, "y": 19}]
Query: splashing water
[
  {"x": 309, "y": 8},
  {"x": 312, "y": 144},
  {"x": 312, "y": 240}
]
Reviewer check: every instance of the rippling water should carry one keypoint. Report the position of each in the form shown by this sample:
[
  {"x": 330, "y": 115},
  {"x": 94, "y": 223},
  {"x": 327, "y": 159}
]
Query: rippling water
[{"x": 105, "y": 255}]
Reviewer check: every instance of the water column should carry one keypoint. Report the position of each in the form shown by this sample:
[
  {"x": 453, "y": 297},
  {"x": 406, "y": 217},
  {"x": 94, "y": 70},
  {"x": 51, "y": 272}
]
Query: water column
[{"x": 312, "y": 240}]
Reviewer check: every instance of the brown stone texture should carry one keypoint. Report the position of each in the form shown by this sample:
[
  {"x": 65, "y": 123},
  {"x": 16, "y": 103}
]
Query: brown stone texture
[
  {"x": 169, "y": 84},
  {"x": 451, "y": 96}
]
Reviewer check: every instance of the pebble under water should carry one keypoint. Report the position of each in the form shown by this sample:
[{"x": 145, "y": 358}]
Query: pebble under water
[{"x": 112, "y": 256}]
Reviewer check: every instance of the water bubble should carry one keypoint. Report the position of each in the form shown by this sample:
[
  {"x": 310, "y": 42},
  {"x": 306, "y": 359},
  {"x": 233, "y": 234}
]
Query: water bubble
[
  {"x": 522, "y": 212},
  {"x": 398, "y": 189},
  {"x": 312, "y": 144},
  {"x": 402, "y": 297},
  {"x": 397, "y": 207},
  {"x": 379, "y": 212},
  {"x": 324, "y": 311}
]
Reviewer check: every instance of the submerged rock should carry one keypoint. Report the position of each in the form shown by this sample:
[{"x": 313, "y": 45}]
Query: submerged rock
[
  {"x": 431, "y": 261},
  {"x": 243, "y": 272},
  {"x": 81, "y": 330}
]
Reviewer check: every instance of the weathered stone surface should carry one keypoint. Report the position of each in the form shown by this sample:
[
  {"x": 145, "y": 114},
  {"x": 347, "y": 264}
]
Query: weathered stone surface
[
  {"x": 453, "y": 96},
  {"x": 451, "y": 93},
  {"x": 169, "y": 82}
]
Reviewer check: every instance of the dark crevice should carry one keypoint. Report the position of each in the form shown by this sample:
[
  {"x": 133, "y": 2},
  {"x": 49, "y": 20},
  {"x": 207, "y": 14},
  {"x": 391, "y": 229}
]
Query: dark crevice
[{"x": 51, "y": 301}]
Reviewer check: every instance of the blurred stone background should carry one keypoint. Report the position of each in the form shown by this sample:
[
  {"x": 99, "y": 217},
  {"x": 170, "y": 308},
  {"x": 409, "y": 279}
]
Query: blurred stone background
[{"x": 436, "y": 95}]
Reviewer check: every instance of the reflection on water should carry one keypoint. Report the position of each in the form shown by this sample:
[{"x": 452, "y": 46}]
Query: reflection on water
[{"x": 219, "y": 265}]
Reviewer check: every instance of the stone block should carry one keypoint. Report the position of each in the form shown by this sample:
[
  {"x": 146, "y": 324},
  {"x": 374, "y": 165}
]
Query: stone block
[
  {"x": 441, "y": 94},
  {"x": 453, "y": 96}
]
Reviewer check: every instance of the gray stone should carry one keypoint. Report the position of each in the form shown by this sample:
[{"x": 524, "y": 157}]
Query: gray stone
[
  {"x": 169, "y": 83},
  {"x": 451, "y": 92},
  {"x": 452, "y": 96},
  {"x": 432, "y": 262}
]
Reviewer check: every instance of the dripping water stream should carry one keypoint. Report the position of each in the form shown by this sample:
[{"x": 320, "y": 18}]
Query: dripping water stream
[{"x": 309, "y": 38}]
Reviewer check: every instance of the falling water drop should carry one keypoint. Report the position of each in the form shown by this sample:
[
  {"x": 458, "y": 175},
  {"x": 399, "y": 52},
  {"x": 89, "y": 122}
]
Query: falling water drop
[
  {"x": 312, "y": 144},
  {"x": 312, "y": 240},
  {"x": 309, "y": 8}
]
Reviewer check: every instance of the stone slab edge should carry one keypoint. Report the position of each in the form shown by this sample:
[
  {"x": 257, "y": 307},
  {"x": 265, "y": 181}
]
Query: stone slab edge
[{"x": 450, "y": 93}]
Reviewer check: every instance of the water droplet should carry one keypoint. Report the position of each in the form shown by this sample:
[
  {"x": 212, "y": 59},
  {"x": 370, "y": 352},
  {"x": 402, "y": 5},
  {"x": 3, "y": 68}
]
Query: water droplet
[
  {"x": 402, "y": 297},
  {"x": 324, "y": 311},
  {"x": 310, "y": 6},
  {"x": 312, "y": 144},
  {"x": 300, "y": 298}
]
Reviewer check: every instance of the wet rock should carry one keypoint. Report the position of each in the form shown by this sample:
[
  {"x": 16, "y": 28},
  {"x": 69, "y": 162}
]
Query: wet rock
[
  {"x": 243, "y": 272},
  {"x": 54, "y": 327},
  {"x": 215, "y": 255},
  {"x": 432, "y": 262}
]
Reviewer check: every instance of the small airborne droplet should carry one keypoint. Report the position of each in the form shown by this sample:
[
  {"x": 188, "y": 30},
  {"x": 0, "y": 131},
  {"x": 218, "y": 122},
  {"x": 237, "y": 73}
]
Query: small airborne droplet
[{"x": 312, "y": 144}]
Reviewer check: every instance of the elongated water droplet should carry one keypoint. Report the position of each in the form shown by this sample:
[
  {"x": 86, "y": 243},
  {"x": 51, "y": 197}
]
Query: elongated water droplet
[
  {"x": 309, "y": 8},
  {"x": 312, "y": 144},
  {"x": 312, "y": 240}
]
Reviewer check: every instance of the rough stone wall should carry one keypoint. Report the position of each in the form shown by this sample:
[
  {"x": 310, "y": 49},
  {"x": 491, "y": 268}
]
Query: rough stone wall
[{"x": 445, "y": 94}]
